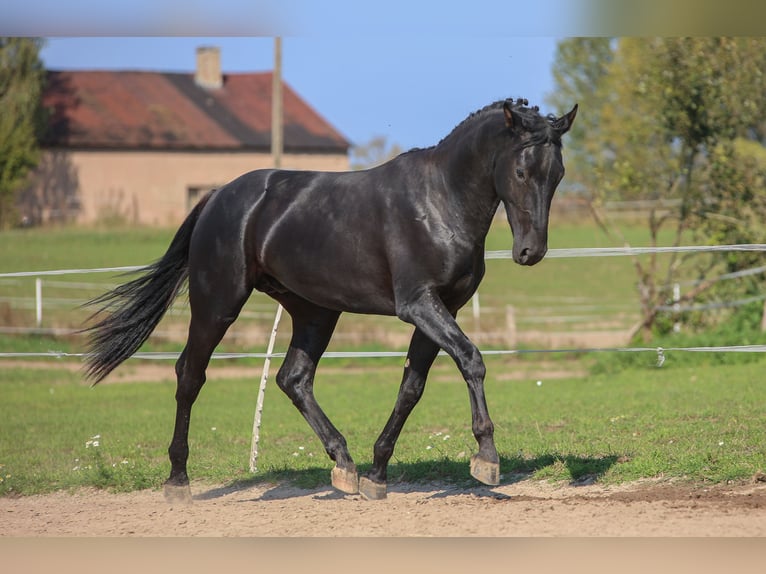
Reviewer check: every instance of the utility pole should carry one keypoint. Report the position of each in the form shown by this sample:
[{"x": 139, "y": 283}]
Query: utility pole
[{"x": 276, "y": 105}]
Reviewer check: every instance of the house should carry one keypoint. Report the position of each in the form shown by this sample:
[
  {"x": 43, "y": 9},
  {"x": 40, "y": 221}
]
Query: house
[{"x": 142, "y": 147}]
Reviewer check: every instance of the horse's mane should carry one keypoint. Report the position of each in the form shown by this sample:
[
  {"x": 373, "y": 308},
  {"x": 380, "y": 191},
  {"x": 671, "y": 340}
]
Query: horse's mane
[{"x": 541, "y": 128}]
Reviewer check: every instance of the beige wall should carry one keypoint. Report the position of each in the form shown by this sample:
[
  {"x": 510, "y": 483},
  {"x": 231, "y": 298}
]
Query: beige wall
[{"x": 142, "y": 187}]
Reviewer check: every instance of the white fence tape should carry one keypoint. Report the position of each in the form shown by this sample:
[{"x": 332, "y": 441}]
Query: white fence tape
[
  {"x": 165, "y": 356},
  {"x": 733, "y": 275},
  {"x": 708, "y": 306},
  {"x": 73, "y": 271},
  {"x": 622, "y": 251},
  {"x": 502, "y": 254}
]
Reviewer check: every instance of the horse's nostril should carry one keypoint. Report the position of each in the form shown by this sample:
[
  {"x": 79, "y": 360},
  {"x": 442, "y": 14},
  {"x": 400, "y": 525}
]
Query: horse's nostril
[{"x": 524, "y": 254}]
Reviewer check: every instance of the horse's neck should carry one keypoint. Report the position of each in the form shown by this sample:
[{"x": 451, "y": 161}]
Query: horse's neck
[{"x": 466, "y": 157}]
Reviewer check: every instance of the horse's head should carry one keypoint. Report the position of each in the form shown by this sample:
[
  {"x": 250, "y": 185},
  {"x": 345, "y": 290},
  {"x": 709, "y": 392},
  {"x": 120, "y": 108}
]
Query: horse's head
[{"x": 527, "y": 172}]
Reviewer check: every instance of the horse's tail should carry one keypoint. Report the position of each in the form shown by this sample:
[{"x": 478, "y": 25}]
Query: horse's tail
[{"x": 136, "y": 307}]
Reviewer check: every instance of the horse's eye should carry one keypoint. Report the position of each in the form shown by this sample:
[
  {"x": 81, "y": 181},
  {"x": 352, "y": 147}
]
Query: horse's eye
[{"x": 519, "y": 173}]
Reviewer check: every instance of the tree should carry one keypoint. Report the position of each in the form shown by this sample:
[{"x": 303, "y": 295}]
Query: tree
[
  {"x": 668, "y": 120},
  {"x": 578, "y": 71},
  {"x": 22, "y": 79}
]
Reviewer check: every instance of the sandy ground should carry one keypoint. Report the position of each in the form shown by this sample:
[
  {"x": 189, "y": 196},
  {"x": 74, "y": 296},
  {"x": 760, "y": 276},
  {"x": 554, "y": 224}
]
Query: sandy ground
[{"x": 521, "y": 509}]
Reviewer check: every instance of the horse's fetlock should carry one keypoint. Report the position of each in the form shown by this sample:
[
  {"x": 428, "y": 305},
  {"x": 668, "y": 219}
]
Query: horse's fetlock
[{"x": 383, "y": 450}]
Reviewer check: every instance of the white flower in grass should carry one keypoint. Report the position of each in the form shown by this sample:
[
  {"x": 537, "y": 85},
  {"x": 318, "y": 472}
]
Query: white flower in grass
[{"x": 300, "y": 451}]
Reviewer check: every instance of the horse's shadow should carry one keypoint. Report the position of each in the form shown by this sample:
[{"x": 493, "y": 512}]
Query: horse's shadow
[{"x": 442, "y": 478}]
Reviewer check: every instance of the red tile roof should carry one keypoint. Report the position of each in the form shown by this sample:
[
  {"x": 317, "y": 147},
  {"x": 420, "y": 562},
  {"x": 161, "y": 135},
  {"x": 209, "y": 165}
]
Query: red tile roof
[{"x": 151, "y": 110}]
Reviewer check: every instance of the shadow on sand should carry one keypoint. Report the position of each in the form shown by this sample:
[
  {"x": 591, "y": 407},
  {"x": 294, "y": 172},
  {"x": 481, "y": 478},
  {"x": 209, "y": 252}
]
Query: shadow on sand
[{"x": 442, "y": 478}]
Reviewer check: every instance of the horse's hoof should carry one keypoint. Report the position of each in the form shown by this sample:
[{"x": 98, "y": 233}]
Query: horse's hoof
[
  {"x": 345, "y": 479},
  {"x": 178, "y": 494},
  {"x": 372, "y": 490},
  {"x": 484, "y": 471}
]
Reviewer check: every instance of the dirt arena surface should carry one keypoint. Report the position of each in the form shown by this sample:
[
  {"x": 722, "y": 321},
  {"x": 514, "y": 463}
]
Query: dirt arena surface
[{"x": 520, "y": 509}]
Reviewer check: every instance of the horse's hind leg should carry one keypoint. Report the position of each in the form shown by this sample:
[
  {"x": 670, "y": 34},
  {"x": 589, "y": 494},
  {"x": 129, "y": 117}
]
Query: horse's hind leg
[
  {"x": 420, "y": 357},
  {"x": 312, "y": 328},
  {"x": 214, "y": 307}
]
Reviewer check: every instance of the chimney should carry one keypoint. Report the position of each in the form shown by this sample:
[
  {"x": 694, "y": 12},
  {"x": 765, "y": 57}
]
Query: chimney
[{"x": 208, "y": 74}]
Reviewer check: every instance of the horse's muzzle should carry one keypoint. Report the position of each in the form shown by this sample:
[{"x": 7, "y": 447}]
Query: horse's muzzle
[{"x": 530, "y": 255}]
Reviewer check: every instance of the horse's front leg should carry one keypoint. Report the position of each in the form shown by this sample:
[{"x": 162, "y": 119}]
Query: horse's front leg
[
  {"x": 430, "y": 315},
  {"x": 420, "y": 357}
]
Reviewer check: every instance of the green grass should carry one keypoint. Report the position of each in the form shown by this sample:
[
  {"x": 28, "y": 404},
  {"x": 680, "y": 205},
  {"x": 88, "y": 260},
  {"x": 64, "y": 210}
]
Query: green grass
[
  {"x": 80, "y": 247},
  {"x": 702, "y": 424}
]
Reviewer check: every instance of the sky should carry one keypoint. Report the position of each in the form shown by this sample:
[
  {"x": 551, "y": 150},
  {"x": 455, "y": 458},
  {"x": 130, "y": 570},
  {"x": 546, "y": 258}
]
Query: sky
[
  {"x": 409, "y": 70},
  {"x": 413, "y": 90}
]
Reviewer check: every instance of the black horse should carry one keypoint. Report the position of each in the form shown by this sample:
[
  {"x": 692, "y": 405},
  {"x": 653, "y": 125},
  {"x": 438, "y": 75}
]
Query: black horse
[{"x": 405, "y": 238}]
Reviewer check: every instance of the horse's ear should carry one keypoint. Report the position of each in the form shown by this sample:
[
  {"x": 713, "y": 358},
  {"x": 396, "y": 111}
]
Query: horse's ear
[
  {"x": 510, "y": 120},
  {"x": 565, "y": 122}
]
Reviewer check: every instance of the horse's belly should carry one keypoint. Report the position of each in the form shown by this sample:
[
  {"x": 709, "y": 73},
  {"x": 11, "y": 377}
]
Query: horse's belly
[
  {"x": 347, "y": 292},
  {"x": 337, "y": 278}
]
